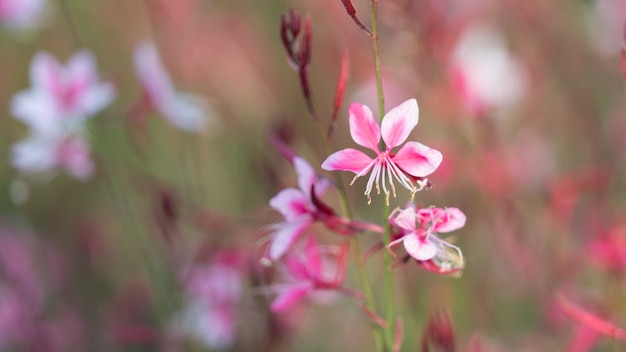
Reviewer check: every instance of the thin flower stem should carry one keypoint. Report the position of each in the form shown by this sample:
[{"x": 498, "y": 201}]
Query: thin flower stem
[
  {"x": 390, "y": 316},
  {"x": 70, "y": 21}
]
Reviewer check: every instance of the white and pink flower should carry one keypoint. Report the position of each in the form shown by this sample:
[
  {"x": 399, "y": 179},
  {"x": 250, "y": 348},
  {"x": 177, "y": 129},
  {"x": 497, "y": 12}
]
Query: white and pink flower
[
  {"x": 417, "y": 231},
  {"x": 183, "y": 110},
  {"x": 212, "y": 293},
  {"x": 409, "y": 165},
  {"x": 56, "y": 108}
]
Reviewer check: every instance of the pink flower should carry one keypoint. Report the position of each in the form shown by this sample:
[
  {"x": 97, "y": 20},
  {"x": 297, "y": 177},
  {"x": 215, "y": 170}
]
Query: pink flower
[
  {"x": 410, "y": 164},
  {"x": 41, "y": 153},
  {"x": 56, "y": 108},
  {"x": 61, "y": 99},
  {"x": 21, "y": 14},
  {"x": 418, "y": 232},
  {"x": 319, "y": 269},
  {"x": 185, "y": 111},
  {"x": 297, "y": 207}
]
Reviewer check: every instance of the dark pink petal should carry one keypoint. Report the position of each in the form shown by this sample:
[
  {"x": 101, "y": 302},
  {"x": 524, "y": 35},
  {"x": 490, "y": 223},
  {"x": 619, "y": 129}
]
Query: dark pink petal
[
  {"x": 399, "y": 122},
  {"x": 450, "y": 219},
  {"x": 363, "y": 128},
  {"x": 417, "y": 159},
  {"x": 290, "y": 202},
  {"x": 286, "y": 234},
  {"x": 289, "y": 297},
  {"x": 348, "y": 160},
  {"x": 313, "y": 260},
  {"x": 418, "y": 248}
]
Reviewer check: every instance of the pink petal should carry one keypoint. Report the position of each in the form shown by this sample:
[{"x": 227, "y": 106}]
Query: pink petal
[
  {"x": 399, "y": 122},
  {"x": 36, "y": 108},
  {"x": 451, "y": 219},
  {"x": 188, "y": 112},
  {"x": 291, "y": 203},
  {"x": 45, "y": 72},
  {"x": 419, "y": 248},
  {"x": 287, "y": 233},
  {"x": 74, "y": 155},
  {"x": 348, "y": 160},
  {"x": 81, "y": 68},
  {"x": 363, "y": 128},
  {"x": 306, "y": 175},
  {"x": 151, "y": 73},
  {"x": 417, "y": 159},
  {"x": 96, "y": 98},
  {"x": 289, "y": 297},
  {"x": 406, "y": 219}
]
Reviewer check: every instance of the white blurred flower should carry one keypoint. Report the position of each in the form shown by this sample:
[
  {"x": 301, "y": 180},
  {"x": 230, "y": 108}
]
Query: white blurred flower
[
  {"x": 485, "y": 73},
  {"x": 183, "y": 110}
]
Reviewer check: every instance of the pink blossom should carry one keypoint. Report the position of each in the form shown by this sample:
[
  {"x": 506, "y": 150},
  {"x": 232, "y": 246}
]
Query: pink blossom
[
  {"x": 61, "y": 99},
  {"x": 21, "y": 14},
  {"x": 46, "y": 152},
  {"x": 485, "y": 74},
  {"x": 185, "y": 111},
  {"x": 212, "y": 295},
  {"x": 417, "y": 230},
  {"x": 297, "y": 207},
  {"x": 410, "y": 164},
  {"x": 317, "y": 269},
  {"x": 56, "y": 108}
]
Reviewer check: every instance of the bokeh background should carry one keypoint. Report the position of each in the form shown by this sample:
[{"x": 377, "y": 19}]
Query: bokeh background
[{"x": 530, "y": 116}]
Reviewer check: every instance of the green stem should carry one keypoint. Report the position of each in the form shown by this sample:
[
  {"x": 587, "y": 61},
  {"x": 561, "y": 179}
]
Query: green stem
[{"x": 390, "y": 318}]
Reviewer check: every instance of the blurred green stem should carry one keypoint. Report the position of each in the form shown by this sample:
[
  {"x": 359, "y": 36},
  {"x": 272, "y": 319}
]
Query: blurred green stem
[
  {"x": 390, "y": 318},
  {"x": 70, "y": 22}
]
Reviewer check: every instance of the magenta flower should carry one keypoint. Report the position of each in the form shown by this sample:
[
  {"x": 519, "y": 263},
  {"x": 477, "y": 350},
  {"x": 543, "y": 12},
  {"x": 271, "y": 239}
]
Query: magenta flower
[
  {"x": 185, "y": 111},
  {"x": 417, "y": 230},
  {"x": 297, "y": 207},
  {"x": 409, "y": 165},
  {"x": 319, "y": 269},
  {"x": 61, "y": 98}
]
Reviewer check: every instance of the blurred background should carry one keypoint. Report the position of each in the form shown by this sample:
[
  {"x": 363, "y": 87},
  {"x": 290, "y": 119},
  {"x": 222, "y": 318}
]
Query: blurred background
[{"x": 524, "y": 99}]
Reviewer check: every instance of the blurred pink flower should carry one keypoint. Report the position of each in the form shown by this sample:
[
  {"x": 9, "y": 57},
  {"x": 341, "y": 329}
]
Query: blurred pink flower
[
  {"x": 485, "y": 74},
  {"x": 317, "y": 269},
  {"x": 297, "y": 207},
  {"x": 46, "y": 152},
  {"x": 608, "y": 252},
  {"x": 21, "y": 14},
  {"x": 61, "y": 99},
  {"x": 185, "y": 111},
  {"x": 212, "y": 295},
  {"x": 412, "y": 162},
  {"x": 56, "y": 108},
  {"x": 418, "y": 232}
]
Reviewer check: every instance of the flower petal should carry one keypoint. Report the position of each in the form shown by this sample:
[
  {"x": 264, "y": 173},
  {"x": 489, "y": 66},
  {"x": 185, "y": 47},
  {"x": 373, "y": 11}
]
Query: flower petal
[
  {"x": 45, "y": 72},
  {"x": 348, "y": 160},
  {"x": 81, "y": 68},
  {"x": 418, "y": 248},
  {"x": 96, "y": 98},
  {"x": 306, "y": 175},
  {"x": 289, "y": 297},
  {"x": 291, "y": 203},
  {"x": 417, "y": 159},
  {"x": 152, "y": 75},
  {"x": 34, "y": 154},
  {"x": 406, "y": 219},
  {"x": 185, "y": 111},
  {"x": 285, "y": 236},
  {"x": 450, "y": 219},
  {"x": 36, "y": 108},
  {"x": 399, "y": 122},
  {"x": 363, "y": 128}
]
